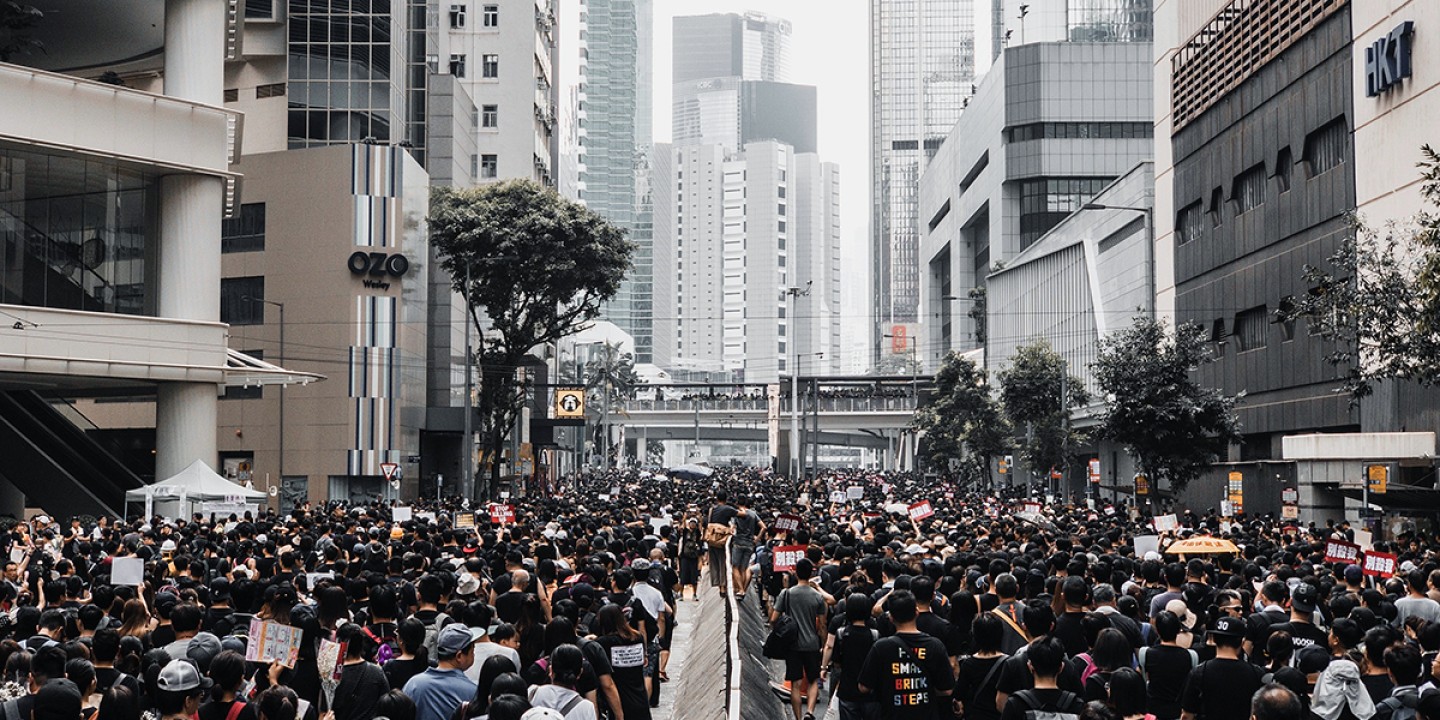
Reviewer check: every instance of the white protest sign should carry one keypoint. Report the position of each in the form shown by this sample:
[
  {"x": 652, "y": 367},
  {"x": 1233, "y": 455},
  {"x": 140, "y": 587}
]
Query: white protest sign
[
  {"x": 1165, "y": 523},
  {"x": 127, "y": 571},
  {"x": 1145, "y": 544},
  {"x": 838, "y": 497},
  {"x": 855, "y": 492},
  {"x": 401, "y": 513}
]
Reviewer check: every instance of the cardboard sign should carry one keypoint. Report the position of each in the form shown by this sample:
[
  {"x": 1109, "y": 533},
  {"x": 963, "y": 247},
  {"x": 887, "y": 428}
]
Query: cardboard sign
[
  {"x": 855, "y": 492},
  {"x": 1290, "y": 512},
  {"x": 273, "y": 642},
  {"x": 127, "y": 571},
  {"x": 401, "y": 513},
  {"x": 786, "y": 557},
  {"x": 502, "y": 514},
  {"x": 787, "y": 523},
  {"x": 1378, "y": 564},
  {"x": 1032, "y": 507},
  {"x": 920, "y": 510},
  {"x": 1165, "y": 523},
  {"x": 839, "y": 496},
  {"x": 1145, "y": 544},
  {"x": 465, "y": 521},
  {"x": 1341, "y": 551}
]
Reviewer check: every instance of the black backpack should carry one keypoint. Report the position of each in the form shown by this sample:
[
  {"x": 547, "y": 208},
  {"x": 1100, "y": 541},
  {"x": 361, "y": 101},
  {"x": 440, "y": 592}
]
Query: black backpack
[
  {"x": 783, "y": 635},
  {"x": 1036, "y": 710}
]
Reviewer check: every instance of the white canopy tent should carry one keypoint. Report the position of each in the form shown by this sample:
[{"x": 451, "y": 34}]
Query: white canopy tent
[{"x": 197, "y": 488}]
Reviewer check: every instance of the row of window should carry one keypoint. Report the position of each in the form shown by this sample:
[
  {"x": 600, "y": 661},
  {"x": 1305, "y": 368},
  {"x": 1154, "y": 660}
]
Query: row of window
[
  {"x": 489, "y": 16},
  {"x": 261, "y": 92},
  {"x": 489, "y": 65},
  {"x": 1250, "y": 328},
  {"x": 1079, "y": 130},
  {"x": 1325, "y": 149},
  {"x": 485, "y": 116},
  {"x": 485, "y": 167}
]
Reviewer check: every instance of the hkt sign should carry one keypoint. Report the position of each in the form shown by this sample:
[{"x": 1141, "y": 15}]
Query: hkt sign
[{"x": 1387, "y": 60}]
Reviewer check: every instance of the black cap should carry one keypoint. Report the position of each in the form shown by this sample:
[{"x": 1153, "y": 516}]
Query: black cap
[
  {"x": 1229, "y": 627},
  {"x": 220, "y": 589},
  {"x": 1304, "y": 597},
  {"x": 58, "y": 699}
]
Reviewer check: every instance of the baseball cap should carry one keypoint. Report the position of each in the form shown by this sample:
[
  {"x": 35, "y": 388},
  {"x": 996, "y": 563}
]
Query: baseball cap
[
  {"x": 1229, "y": 627},
  {"x": 182, "y": 676},
  {"x": 454, "y": 638},
  {"x": 203, "y": 648},
  {"x": 1304, "y": 597},
  {"x": 220, "y": 589},
  {"x": 58, "y": 699}
]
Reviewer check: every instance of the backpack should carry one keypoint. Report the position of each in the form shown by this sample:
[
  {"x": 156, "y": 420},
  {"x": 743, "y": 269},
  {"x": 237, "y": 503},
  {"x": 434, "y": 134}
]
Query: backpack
[
  {"x": 11, "y": 709},
  {"x": 1145, "y": 673},
  {"x": 1036, "y": 710},
  {"x": 1397, "y": 708},
  {"x": 386, "y": 649},
  {"x": 432, "y": 633},
  {"x": 783, "y": 635},
  {"x": 841, "y": 635}
]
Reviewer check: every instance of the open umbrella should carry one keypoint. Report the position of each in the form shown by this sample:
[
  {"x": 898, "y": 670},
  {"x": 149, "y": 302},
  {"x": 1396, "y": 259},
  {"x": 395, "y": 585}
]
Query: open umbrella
[
  {"x": 1037, "y": 520},
  {"x": 691, "y": 471},
  {"x": 1201, "y": 545}
]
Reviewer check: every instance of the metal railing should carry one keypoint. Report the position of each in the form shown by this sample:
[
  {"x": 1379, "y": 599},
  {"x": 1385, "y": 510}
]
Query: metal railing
[{"x": 760, "y": 404}]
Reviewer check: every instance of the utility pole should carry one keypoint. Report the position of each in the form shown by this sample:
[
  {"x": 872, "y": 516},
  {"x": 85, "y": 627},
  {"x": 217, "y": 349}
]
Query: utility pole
[
  {"x": 467, "y": 469},
  {"x": 792, "y": 296},
  {"x": 281, "y": 363}
]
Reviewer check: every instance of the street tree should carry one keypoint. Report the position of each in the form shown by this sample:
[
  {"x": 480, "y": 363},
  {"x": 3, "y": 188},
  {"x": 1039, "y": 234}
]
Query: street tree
[
  {"x": 1378, "y": 302},
  {"x": 18, "y": 22},
  {"x": 534, "y": 268},
  {"x": 1032, "y": 388},
  {"x": 962, "y": 421},
  {"x": 1171, "y": 426}
]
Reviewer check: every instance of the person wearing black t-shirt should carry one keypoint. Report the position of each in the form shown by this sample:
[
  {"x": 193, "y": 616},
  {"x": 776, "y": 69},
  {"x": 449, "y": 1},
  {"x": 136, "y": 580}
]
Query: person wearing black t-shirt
[
  {"x": 1303, "y": 632},
  {"x": 909, "y": 672},
  {"x": 1044, "y": 657},
  {"x": 845, "y": 650},
  {"x": 1222, "y": 687},
  {"x": 1166, "y": 667},
  {"x": 1015, "y": 673},
  {"x": 979, "y": 673}
]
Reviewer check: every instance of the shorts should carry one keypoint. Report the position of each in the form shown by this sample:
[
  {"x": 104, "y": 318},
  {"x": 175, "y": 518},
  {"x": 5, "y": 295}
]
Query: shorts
[
  {"x": 803, "y": 665},
  {"x": 741, "y": 555}
]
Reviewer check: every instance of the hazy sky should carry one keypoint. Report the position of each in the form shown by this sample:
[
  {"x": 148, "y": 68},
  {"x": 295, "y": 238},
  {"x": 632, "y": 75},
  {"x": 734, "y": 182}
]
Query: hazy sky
[{"x": 830, "y": 49}]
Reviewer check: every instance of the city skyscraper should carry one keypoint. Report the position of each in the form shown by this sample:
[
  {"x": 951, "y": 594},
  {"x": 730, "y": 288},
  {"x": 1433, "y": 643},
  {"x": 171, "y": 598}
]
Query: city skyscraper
[
  {"x": 922, "y": 67},
  {"x": 752, "y": 46},
  {"x": 1020, "y": 22},
  {"x": 616, "y": 146}
]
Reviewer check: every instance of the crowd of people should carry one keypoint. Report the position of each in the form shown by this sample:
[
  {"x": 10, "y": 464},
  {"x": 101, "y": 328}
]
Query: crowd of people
[
  {"x": 974, "y": 610},
  {"x": 565, "y": 609}
]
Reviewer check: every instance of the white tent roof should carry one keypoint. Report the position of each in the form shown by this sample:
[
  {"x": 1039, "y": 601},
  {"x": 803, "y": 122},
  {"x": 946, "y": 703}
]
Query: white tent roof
[{"x": 198, "y": 482}]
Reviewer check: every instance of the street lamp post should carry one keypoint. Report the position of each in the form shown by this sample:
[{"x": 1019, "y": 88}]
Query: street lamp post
[
  {"x": 914, "y": 389},
  {"x": 281, "y": 362},
  {"x": 792, "y": 296}
]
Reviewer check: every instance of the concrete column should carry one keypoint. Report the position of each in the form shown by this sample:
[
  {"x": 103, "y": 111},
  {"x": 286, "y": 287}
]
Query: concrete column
[
  {"x": 195, "y": 50},
  {"x": 191, "y": 206}
]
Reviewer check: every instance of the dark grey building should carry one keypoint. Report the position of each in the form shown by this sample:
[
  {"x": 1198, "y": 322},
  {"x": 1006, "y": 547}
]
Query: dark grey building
[{"x": 1263, "y": 183}]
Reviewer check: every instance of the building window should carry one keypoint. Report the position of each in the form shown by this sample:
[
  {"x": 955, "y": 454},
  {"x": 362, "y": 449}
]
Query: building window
[
  {"x": 1248, "y": 190},
  {"x": 474, "y": 117},
  {"x": 1044, "y": 202},
  {"x": 1283, "y": 164},
  {"x": 1217, "y": 201},
  {"x": 246, "y": 231},
  {"x": 1325, "y": 148},
  {"x": 1189, "y": 223},
  {"x": 1284, "y": 319},
  {"x": 457, "y": 16},
  {"x": 269, "y": 91},
  {"x": 780, "y": 209},
  {"x": 1079, "y": 130},
  {"x": 490, "y": 66},
  {"x": 1250, "y": 329},
  {"x": 457, "y": 65},
  {"x": 249, "y": 392},
  {"x": 232, "y": 95},
  {"x": 492, "y": 16},
  {"x": 240, "y": 300},
  {"x": 782, "y": 229},
  {"x": 782, "y": 190},
  {"x": 259, "y": 9},
  {"x": 1217, "y": 331},
  {"x": 489, "y": 166},
  {"x": 474, "y": 165},
  {"x": 490, "y": 116}
]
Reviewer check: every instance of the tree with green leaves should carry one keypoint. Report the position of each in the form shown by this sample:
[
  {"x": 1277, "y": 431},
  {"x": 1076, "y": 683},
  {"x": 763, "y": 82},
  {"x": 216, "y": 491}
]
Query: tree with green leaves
[
  {"x": 962, "y": 421},
  {"x": 1172, "y": 426},
  {"x": 1378, "y": 302},
  {"x": 534, "y": 268},
  {"x": 1031, "y": 389}
]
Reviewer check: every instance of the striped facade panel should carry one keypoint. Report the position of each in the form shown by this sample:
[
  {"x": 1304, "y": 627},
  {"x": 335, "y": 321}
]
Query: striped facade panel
[
  {"x": 1046, "y": 298},
  {"x": 375, "y": 184},
  {"x": 374, "y": 371}
]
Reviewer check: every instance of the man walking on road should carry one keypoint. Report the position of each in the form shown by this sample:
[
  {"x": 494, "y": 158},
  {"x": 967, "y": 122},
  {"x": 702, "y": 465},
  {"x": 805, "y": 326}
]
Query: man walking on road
[{"x": 806, "y": 606}]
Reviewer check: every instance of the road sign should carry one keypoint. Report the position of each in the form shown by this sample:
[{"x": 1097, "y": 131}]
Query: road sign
[
  {"x": 570, "y": 403},
  {"x": 391, "y": 471},
  {"x": 1378, "y": 477}
]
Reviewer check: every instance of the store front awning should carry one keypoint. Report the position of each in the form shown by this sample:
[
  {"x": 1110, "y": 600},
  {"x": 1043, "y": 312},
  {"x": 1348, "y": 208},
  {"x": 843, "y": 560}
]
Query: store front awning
[{"x": 243, "y": 370}]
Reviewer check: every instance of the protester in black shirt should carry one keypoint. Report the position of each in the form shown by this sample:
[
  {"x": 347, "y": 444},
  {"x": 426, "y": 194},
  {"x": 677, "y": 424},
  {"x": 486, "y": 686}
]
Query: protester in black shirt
[
  {"x": 1221, "y": 688},
  {"x": 1044, "y": 657},
  {"x": 909, "y": 672},
  {"x": 846, "y": 650},
  {"x": 979, "y": 673}
]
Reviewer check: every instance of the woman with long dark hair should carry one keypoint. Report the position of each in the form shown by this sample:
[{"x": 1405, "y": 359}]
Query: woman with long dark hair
[
  {"x": 562, "y": 693},
  {"x": 495, "y": 667},
  {"x": 625, "y": 647},
  {"x": 414, "y": 658},
  {"x": 362, "y": 683}
]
